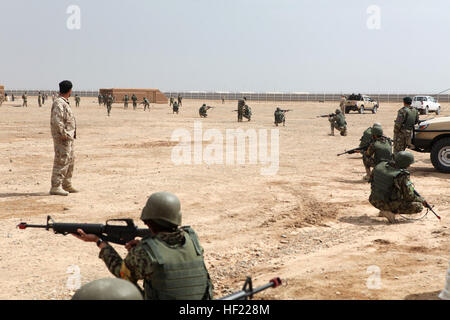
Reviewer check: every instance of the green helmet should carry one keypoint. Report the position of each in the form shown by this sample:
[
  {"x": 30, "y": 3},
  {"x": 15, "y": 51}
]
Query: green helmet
[
  {"x": 164, "y": 208},
  {"x": 377, "y": 131},
  {"x": 376, "y": 124},
  {"x": 108, "y": 289},
  {"x": 278, "y": 109},
  {"x": 404, "y": 159},
  {"x": 338, "y": 111}
]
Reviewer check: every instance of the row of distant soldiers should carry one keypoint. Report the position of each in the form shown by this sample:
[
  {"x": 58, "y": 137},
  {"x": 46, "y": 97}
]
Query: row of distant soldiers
[
  {"x": 392, "y": 191},
  {"x": 42, "y": 97}
]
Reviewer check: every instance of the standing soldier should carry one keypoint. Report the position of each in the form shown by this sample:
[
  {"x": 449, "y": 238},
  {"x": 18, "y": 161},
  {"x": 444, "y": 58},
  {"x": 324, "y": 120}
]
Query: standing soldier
[
  {"x": 53, "y": 97},
  {"x": 100, "y": 99},
  {"x": 109, "y": 102},
  {"x": 392, "y": 190},
  {"x": 407, "y": 118},
  {"x": 40, "y": 99},
  {"x": 12, "y": 97},
  {"x": 171, "y": 101},
  {"x": 64, "y": 133},
  {"x": 25, "y": 100},
  {"x": 134, "y": 99},
  {"x": 170, "y": 261},
  {"x": 77, "y": 100},
  {"x": 180, "y": 99},
  {"x": 380, "y": 149},
  {"x": 338, "y": 122},
  {"x": 125, "y": 101},
  {"x": 342, "y": 103},
  {"x": 223, "y": 99},
  {"x": 240, "y": 109},
  {"x": 176, "y": 107}
]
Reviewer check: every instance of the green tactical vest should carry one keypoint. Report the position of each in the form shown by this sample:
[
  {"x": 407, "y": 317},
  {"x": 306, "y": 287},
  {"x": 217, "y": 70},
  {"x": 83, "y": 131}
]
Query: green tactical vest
[
  {"x": 383, "y": 150},
  {"x": 341, "y": 121},
  {"x": 366, "y": 139},
  {"x": 383, "y": 181},
  {"x": 180, "y": 272},
  {"x": 410, "y": 121}
]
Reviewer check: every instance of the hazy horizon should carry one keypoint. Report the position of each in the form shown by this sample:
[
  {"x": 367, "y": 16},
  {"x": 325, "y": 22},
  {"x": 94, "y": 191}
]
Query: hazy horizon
[{"x": 228, "y": 45}]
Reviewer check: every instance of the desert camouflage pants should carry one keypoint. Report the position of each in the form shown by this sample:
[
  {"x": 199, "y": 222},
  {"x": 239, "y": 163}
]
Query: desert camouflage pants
[
  {"x": 63, "y": 163},
  {"x": 368, "y": 162},
  {"x": 402, "y": 139},
  {"x": 399, "y": 207}
]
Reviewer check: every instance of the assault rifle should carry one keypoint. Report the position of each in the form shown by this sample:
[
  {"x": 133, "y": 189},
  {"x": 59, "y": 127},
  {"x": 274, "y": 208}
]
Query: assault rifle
[
  {"x": 352, "y": 151},
  {"x": 248, "y": 291},
  {"x": 427, "y": 205},
  {"x": 327, "y": 115},
  {"x": 113, "y": 233},
  {"x": 287, "y": 110}
]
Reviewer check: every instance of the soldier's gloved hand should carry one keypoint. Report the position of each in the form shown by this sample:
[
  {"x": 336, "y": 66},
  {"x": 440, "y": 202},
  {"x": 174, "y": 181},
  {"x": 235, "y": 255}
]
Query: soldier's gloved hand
[{"x": 130, "y": 245}]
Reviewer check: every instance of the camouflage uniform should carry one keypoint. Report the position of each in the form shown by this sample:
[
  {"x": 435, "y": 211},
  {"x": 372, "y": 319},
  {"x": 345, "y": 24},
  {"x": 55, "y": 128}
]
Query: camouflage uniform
[
  {"x": 139, "y": 264},
  {"x": 125, "y": 101},
  {"x": 398, "y": 196},
  {"x": 109, "y": 101},
  {"x": 100, "y": 99},
  {"x": 134, "y": 99},
  {"x": 279, "y": 117},
  {"x": 25, "y": 100},
  {"x": 203, "y": 111},
  {"x": 339, "y": 123},
  {"x": 407, "y": 117},
  {"x": 240, "y": 110},
  {"x": 171, "y": 101},
  {"x": 247, "y": 112},
  {"x": 342, "y": 104},
  {"x": 175, "y": 107},
  {"x": 379, "y": 150},
  {"x": 146, "y": 104},
  {"x": 77, "y": 101},
  {"x": 40, "y": 100},
  {"x": 63, "y": 127}
]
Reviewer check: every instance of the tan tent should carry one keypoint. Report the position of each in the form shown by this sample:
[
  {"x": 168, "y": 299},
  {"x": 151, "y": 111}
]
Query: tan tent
[{"x": 153, "y": 95}]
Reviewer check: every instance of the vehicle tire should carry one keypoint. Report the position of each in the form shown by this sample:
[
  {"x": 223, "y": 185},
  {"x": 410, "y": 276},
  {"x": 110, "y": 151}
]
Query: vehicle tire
[
  {"x": 438, "y": 110},
  {"x": 374, "y": 110},
  {"x": 361, "y": 110},
  {"x": 347, "y": 110},
  {"x": 440, "y": 155},
  {"x": 426, "y": 110}
]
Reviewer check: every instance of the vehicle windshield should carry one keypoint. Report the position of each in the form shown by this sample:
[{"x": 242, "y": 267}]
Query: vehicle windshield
[{"x": 420, "y": 99}]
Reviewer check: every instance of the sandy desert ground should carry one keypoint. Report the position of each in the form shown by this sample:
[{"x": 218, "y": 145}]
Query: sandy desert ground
[{"x": 311, "y": 223}]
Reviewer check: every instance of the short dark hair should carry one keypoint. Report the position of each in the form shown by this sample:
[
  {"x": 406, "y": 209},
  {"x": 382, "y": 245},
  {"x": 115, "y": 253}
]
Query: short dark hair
[
  {"x": 407, "y": 100},
  {"x": 65, "y": 86}
]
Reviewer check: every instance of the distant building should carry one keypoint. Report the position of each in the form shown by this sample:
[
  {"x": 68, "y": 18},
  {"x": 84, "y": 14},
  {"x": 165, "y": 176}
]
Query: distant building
[
  {"x": 153, "y": 95},
  {"x": 2, "y": 90}
]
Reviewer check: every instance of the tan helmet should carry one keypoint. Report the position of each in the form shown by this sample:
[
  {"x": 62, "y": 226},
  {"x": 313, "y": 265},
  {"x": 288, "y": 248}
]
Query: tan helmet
[
  {"x": 108, "y": 289},
  {"x": 164, "y": 208}
]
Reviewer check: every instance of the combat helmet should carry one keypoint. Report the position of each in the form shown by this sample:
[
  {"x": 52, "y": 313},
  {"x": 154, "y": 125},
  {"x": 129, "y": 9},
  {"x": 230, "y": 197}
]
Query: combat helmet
[
  {"x": 278, "y": 109},
  {"x": 376, "y": 124},
  {"x": 108, "y": 289},
  {"x": 338, "y": 111},
  {"x": 377, "y": 131},
  {"x": 404, "y": 159},
  {"x": 164, "y": 208}
]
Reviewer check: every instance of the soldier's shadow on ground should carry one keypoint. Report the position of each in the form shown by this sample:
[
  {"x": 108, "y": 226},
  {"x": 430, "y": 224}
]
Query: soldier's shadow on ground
[
  {"x": 427, "y": 172},
  {"x": 370, "y": 220},
  {"x": 424, "y": 296},
  {"x": 13, "y": 195}
]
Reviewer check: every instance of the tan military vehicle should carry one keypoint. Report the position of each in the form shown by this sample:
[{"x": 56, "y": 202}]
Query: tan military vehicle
[
  {"x": 361, "y": 103},
  {"x": 433, "y": 136}
]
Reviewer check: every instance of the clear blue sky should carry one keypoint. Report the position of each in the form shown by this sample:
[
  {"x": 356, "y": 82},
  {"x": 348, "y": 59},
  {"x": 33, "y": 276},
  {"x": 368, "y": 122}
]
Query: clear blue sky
[{"x": 227, "y": 45}]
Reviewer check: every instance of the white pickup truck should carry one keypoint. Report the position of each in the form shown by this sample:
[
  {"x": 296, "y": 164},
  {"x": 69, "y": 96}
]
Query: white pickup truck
[{"x": 426, "y": 104}]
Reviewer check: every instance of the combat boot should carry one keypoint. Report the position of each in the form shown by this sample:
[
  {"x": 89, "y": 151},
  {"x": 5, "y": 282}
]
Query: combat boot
[
  {"x": 389, "y": 215},
  {"x": 70, "y": 189},
  {"x": 58, "y": 191}
]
